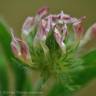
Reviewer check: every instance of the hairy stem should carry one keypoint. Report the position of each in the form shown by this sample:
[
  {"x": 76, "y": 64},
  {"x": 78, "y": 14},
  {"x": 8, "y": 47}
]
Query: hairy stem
[{"x": 38, "y": 87}]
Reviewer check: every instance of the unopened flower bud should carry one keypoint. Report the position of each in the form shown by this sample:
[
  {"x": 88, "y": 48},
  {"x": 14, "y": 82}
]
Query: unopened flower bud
[
  {"x": 20, "y": 49},
  {"x": 93, "y": 31},
  {"x": 90, "y": 35},
  {"x": 78, "y": 29}
]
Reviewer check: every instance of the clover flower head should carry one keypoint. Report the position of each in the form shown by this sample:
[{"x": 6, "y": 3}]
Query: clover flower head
[{"x": 50, "y": 41}]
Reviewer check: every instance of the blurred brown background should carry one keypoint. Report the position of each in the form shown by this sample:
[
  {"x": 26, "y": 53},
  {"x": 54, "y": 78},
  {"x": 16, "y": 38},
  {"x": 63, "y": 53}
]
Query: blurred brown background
[{"x": 15, "y": 12}]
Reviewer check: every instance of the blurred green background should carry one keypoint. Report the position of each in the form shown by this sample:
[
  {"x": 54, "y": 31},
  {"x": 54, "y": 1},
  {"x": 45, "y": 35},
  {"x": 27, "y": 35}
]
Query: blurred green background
[{"x": 14, "y": 13}]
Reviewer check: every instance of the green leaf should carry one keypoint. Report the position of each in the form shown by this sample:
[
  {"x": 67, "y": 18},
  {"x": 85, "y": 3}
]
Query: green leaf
[
  {"x": 4, "y": 82},
  {"x": 90, "y": 58},
  {"x": 19, "y": 72},
  {"x": 5, "y": 39},
  {"x": 89, "y": 71}
]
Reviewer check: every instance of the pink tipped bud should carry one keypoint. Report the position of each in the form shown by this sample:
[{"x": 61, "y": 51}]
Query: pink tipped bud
[
  {"x": 78, "y": 29},
  {"x": 43, "y": 11},
  {"x": 24, "y": 50},
  {"x": 20, "y": 49},
  {"x": 89, "y": 37}
]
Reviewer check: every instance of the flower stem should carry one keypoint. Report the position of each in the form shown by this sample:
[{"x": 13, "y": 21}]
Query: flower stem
[{"x": 38, "y": 87}]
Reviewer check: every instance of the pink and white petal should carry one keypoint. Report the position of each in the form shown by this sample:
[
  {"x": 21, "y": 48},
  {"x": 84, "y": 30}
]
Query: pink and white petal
[
  {"x": 55, "y": 17},
  {"x": 65, "y": 30},
  {"x": 61, "y": 15},
  {"x": 59, "y": 40},
  {"x": 43, "y": 23},
  {"x": 64, "y": 16},
  {"x": 26, "y": 28},
  {"x": 41, "y": 33},
  {"x": 49, "y": 22}
]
